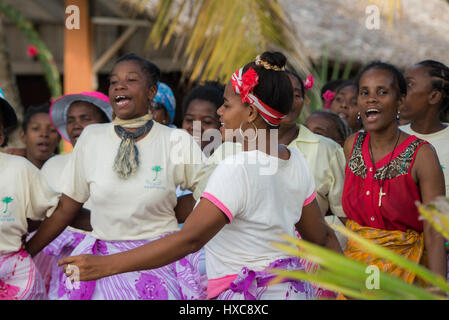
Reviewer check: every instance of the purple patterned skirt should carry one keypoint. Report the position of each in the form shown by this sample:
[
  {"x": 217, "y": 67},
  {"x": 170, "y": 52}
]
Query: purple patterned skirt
[
  {"x": 59, "y": 248},
  {"x": 253, "y": 285},
  {"x": 179, "y": 280}
]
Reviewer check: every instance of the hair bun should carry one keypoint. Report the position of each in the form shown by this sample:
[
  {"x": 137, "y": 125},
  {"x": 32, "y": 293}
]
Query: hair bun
[{"x": 272, "y": 61}]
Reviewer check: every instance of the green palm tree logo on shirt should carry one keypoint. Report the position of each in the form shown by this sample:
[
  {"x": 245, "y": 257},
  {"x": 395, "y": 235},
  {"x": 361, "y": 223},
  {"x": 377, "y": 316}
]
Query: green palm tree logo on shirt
[
  {"x": 7, "y": 201},
  {"x": 156, "y": 169}
]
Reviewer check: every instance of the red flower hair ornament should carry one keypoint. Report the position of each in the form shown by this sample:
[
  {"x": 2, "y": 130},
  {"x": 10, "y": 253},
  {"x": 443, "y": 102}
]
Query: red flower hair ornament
[
  {"x": 328, "y": 96},
  {"x": 308, "y": 84},
  {"x": 250, "y": 79},
  {"x": 243, "y": 84}
]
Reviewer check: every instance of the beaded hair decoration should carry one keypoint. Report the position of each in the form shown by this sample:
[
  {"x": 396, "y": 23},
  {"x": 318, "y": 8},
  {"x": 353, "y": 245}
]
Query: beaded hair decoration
[{"x": 266, "y": 65}]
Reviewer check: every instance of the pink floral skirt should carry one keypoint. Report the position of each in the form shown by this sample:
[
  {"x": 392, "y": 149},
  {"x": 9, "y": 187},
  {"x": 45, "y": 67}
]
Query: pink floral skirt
[
  {"x": 44, "y": 264},
  {"x": 19, "y": 278}
]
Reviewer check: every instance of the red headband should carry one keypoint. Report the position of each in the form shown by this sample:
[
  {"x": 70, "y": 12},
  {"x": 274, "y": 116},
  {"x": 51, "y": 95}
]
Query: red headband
[{"x": 243, "y": 84}]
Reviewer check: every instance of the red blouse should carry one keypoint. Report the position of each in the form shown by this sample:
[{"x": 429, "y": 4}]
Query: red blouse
[{"x": 362, "y": 187}]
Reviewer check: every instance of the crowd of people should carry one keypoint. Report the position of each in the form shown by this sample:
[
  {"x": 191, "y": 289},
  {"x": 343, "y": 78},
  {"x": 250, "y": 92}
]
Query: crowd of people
[{"x": 141, "y": 209}]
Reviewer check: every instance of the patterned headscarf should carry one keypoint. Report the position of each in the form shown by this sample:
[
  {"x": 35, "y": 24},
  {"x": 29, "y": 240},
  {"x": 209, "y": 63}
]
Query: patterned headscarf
[{"x": 166, "y": 97}]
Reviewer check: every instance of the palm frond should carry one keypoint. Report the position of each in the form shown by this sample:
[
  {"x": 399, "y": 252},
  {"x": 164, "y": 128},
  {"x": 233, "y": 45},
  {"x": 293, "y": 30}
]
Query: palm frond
[
  {"x": 420, "y": 271},
  {"x": 221, "y": 36},
  {"x": 324, "y": 65},
  {"x": 437, "y": 213},
  {"x": 347, "y": 70},
  {"x": 341, "y": 274}
]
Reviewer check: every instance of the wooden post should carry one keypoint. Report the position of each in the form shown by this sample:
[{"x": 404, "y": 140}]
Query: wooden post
[{"x": 78, "y": 50}]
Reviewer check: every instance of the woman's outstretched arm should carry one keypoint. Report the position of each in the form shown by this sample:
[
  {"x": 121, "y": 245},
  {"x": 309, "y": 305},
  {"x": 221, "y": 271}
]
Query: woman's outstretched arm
[{"x": 203, "y": 224}]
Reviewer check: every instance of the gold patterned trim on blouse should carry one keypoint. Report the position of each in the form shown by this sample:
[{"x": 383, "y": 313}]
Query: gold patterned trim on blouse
[{"x": 398, "y": 166}]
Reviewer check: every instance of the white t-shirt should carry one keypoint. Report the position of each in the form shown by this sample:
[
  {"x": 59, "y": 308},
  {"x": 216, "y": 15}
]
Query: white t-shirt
[
  {"x": 324, "y": 156},
  {"x": 260, "y": 208},
  {"x": 52, "y": 171},
  {"x": 142, "y": 206},
  {"x": 24, "y": 193},
  {"x": 440, "y": 141}
]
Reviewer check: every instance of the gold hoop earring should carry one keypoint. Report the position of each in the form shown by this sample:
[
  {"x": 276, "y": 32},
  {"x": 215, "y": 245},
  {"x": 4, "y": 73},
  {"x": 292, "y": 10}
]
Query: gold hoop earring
[{"x": 243, "y": 135}]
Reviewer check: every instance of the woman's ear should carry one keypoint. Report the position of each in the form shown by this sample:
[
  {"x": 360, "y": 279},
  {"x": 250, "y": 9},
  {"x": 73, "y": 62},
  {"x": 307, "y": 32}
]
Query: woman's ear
[
  {"x": 435, "y": 97},
  {"x": 152, "y": 93},
  {"x": 252, "y": 113}
]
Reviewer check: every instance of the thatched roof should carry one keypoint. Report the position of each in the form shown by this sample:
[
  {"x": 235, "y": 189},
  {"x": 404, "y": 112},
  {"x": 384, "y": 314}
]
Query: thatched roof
[{"x": 421, "y": 32}]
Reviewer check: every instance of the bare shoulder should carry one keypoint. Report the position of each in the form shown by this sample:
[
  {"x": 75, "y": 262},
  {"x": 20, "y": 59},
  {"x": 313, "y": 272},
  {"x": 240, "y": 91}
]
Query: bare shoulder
[
  {"x": 427, "y": 173},
  {"x": 425, "y": 153},
  {"x": 426, "y": 162}
]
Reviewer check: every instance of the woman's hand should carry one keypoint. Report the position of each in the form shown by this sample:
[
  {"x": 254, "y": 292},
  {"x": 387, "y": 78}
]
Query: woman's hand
[{"x": 85, "y": 267}]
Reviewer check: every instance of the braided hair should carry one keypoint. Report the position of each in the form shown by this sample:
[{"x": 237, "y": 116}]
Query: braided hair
[
  {"x": 274, "y": 88},
  {"x": 440, "y": 73}
]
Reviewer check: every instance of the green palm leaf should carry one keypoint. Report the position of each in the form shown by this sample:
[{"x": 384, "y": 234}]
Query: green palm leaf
[
  {"x": 420, "y": 271},
  {"x": 221, "y": 36},
  {"x": 437, "y": 213},
  {"x": 341, "y": 274}
]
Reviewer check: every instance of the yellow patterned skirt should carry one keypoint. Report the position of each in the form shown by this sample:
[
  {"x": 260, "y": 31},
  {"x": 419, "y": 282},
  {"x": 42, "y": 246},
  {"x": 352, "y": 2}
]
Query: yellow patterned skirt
[{"x": 409, "y": 245}]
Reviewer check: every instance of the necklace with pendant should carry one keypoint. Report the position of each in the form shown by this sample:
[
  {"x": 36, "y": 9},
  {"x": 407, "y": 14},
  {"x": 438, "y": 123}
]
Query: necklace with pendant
[{"x": 382, "y": 181}]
